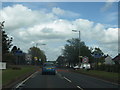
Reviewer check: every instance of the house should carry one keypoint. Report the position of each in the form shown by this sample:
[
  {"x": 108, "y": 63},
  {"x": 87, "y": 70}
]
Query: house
[
  {"x": 117, "y": 59},
  {"x": 109, "y": 61}
]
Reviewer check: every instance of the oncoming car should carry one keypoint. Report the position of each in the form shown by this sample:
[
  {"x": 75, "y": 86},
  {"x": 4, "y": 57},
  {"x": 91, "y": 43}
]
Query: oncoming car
[{"x": 48, "y": 68}]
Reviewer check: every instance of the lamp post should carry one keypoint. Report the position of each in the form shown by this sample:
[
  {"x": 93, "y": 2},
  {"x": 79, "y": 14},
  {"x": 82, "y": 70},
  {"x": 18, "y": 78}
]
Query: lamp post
[{"x": 79, "y": 44}]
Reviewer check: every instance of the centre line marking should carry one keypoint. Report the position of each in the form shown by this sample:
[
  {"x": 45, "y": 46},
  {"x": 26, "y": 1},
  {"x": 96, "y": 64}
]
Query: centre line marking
[
  {"x": 67, "y": 79},
  {"x": 79, "y": 87}
]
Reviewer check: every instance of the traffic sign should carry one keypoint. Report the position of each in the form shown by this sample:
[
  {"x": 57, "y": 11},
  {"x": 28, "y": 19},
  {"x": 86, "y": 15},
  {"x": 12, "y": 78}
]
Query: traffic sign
[
  {"x": 18, "y": 53},
  {"x": 85, "y": 59},
  {"x": 35, "y": 58},
  {"x": 97, "y": 55}
]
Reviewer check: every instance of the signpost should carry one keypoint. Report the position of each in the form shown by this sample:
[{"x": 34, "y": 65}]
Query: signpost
[
  {"x": 97, "y": 55},
  {"x": 35, "y": 58},
  {"x": 85, "y": 60},
  {"x": 18, "y": 53},
  {"x": 2, "y": 65}
]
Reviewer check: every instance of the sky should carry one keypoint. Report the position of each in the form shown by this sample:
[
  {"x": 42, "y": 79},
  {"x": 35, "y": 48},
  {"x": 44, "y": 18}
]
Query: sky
[{"x": 51, "y": 23}]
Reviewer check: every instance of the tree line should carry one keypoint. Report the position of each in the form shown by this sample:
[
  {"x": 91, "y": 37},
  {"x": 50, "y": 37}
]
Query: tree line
[
  {"x": 70, "y": 53},
  {"x": 13, "y": 55}
]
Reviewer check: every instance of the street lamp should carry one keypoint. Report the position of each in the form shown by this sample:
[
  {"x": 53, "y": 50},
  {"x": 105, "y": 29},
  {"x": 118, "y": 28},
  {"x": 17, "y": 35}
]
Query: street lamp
[
  {"x": 40, "y": 44},
  {"x": 79, "y": 43}
]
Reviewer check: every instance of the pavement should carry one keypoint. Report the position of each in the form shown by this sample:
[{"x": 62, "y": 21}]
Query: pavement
[{"x": 64, "y": 78}]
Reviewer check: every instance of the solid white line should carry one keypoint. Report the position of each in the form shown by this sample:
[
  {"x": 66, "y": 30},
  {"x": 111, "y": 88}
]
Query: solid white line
[
  {"x": 25, "y": 80},
  {"x": 67, "y": 79},
  {"x": 79, "y": 87}
]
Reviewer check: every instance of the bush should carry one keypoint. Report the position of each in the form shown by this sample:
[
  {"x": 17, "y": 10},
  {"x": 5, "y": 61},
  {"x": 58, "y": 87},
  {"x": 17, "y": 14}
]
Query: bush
[
  {"x": 108, "y": 68},
  {"x": 16, "y": 68}
]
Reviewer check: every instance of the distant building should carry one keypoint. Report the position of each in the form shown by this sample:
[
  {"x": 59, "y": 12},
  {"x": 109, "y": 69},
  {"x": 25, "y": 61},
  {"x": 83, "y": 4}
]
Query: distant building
[
  {"x": 28, "y": 58},
  {"x": 109, "y": 61},
  {"x": 117, "y": 59}
]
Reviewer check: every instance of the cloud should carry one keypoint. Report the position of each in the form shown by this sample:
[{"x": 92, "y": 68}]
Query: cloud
[
  {"x": 20, "y": 15},
  {"x": 29, "y": 27},
  {"x": 64, "y": 13},
  {"x": 107, "y": 5}
]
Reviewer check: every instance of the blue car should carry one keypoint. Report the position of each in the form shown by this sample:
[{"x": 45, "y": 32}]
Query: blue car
[{"x": 48, "y": 68}]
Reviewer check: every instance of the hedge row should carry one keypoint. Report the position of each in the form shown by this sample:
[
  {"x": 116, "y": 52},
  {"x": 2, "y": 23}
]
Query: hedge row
[{"x": 108, "y": 68}]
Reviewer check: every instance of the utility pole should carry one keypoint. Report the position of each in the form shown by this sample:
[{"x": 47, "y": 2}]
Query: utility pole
[{"x": 79, "y": 45}]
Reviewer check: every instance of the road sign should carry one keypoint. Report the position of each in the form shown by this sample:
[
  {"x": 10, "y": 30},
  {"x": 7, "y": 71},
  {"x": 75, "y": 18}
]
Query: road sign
[
  {"x": 85, "y": 59},
  {"x": 18, "y": 53},
  {"x": 35, "y": 58},
  {"x": 97, "y": 55},
  {"x": 2, "y": 65},
  {"x": 80, "y": 56}
]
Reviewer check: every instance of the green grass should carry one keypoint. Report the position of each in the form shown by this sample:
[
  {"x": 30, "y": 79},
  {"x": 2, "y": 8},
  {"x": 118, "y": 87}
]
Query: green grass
[
  {"x": 10, "y": 74},
  {"x": 101, "y": 74}
]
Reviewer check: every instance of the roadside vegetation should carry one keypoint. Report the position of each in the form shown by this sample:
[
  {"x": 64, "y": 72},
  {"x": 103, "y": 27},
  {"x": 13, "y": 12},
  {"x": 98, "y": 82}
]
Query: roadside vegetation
[
  {"x": 15, "y": 72},
  {"x": 110, "y": 76},
  {"x": 14, "y": 55},
  {"x": 73, "y": 55}
]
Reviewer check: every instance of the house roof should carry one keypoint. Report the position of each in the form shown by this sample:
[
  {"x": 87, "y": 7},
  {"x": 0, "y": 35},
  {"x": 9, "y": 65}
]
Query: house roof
[{"x": 117, "y": 57}]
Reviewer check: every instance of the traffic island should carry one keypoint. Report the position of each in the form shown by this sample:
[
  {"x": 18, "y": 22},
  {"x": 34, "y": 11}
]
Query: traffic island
[{"x": 14, "y": 75}]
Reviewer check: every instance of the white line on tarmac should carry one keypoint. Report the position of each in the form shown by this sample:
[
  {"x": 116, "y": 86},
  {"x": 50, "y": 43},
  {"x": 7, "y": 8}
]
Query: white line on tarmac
[
  {"x": 67, "y": 79},
  {"x": 25, "y": 80},
  {"x": 79, "y": 87}
]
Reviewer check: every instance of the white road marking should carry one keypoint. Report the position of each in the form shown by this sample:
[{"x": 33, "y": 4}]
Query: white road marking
[
  {"x": 67, "y": 79},
  {"x": 25, "y": 80},
  {"x": 79, "y": 87},
  {"x": 60, "y": 75},
  {"x": 34, "y": 75}
]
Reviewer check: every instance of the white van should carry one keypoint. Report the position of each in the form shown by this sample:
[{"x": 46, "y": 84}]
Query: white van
[{"x": 85, "y": 66}]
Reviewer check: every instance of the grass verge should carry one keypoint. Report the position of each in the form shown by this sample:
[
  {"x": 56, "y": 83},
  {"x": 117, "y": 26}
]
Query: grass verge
[
  {"x": 9, "y": 75},
  {"x": 109, "y": 76}
]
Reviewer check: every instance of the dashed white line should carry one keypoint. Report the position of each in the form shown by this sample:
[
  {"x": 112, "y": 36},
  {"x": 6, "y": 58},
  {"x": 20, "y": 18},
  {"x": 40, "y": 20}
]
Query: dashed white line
[
  {"x": 79, "y": 87},
  {"x": 67, "y": 79}
]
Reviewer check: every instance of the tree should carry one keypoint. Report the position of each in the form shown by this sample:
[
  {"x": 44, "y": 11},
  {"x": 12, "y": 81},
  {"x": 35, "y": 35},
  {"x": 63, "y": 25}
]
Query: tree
[
  {"x": 71, "y": 51},
  {"x": 6, "y": 43},
  {"x": 14, "y": 49},
  {"x": 36, "y": 52},
  {"x": 61, "y": 61}
]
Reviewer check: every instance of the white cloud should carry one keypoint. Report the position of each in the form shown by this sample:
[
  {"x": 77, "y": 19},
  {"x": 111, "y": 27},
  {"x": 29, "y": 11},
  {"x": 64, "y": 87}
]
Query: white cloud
[
  {"x": 29, "y": 27},
  {"x": 107, "y": 5},
  {"x": 20, "y": 15},
  {"x": 64, "y": 13}
]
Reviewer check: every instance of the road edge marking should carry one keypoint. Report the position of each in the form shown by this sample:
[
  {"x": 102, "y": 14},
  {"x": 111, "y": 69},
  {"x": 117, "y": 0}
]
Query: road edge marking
[
  {"x": 79, "y": 87},
  {"x": 67, "y": 79},
  {"x": 25, "y": 80}
]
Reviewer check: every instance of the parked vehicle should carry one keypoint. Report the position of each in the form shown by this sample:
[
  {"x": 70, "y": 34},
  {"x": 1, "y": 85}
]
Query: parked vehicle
[
  {"x": 76, "y": 67},
  {"x": 48, "y": 68},
  {"x": 85, "y": 66}
]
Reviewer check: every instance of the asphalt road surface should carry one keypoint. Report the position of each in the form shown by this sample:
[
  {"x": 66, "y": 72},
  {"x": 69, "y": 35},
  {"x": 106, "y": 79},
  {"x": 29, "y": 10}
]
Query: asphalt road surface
[{"x": 64, "y": 79}]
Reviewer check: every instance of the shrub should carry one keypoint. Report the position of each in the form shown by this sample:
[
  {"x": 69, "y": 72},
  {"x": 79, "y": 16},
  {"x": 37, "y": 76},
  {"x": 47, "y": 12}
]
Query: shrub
[
  {"x": 108, "y": 68},
  {"x": 16, "y": 68}
]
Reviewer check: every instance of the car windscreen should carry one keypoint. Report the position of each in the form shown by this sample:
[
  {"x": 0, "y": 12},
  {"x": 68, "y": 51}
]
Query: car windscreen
[{"x": 48, "y": 65}]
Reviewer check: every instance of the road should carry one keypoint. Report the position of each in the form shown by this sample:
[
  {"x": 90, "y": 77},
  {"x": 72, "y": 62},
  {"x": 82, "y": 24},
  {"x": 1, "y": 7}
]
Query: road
[{"x": 64, "y": 79}]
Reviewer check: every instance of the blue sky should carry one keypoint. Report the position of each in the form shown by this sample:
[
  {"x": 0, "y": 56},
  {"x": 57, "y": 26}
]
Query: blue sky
[
  {"x": 52, "y": 23},
  {"x": 87, "y": 10}
]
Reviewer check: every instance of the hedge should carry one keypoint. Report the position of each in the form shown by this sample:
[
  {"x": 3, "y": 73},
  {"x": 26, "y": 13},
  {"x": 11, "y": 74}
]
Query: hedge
[{"x": 108, "y": 68}]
